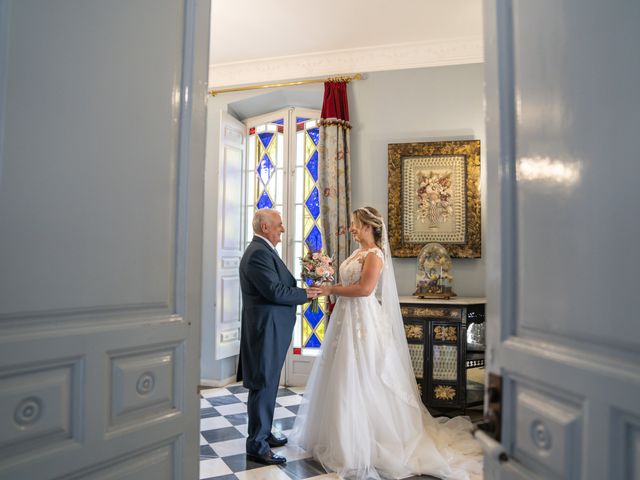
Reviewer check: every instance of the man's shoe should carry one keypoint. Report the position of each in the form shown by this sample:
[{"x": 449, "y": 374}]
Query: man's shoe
[
  {"x": 268, "y": 458},
  {"x": 275, "y": 442}
]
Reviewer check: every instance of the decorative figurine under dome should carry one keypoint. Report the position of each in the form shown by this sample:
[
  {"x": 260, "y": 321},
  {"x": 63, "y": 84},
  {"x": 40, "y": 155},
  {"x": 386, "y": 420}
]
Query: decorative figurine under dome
[{"x": 433, "y": 278}]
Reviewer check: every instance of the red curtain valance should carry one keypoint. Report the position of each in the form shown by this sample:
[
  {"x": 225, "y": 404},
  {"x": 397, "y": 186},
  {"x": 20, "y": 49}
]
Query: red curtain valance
[{"x": 335, "y": 103}]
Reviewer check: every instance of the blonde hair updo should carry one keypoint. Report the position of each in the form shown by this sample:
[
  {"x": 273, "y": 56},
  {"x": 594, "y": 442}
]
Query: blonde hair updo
[{"x": 370, "y": 216}]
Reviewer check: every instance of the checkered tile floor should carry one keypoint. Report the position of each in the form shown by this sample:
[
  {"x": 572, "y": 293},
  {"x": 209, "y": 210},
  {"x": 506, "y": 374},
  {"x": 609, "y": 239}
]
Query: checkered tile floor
[{"x": 223, "y": 429}]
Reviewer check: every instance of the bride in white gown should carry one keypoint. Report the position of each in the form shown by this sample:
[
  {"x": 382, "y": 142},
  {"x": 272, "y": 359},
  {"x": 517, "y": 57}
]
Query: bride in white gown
[{"x": 362, "y": 416}]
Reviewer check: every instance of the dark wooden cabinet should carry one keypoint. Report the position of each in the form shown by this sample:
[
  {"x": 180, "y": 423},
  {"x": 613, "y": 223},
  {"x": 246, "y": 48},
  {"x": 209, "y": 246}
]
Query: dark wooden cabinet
[{"x": 449, "y": 369}]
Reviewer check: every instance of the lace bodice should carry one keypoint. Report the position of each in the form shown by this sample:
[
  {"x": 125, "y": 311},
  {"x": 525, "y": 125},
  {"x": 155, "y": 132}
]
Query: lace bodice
[{"x": 351, "y": 268}]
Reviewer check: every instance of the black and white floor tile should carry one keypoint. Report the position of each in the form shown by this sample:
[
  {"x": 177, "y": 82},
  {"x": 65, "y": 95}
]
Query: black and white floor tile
[{"x": 223, "y": 429}]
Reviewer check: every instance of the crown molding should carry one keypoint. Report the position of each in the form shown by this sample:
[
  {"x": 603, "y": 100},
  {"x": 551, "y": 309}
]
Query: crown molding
[{"x": 433, "y": 53}]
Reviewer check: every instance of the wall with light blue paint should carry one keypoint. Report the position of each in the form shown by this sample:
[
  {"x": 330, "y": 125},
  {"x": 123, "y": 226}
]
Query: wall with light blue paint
[{"x": 419, "y": 105}]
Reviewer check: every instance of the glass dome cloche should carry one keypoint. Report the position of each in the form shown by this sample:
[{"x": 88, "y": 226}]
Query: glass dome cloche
[{"x": 434, "y": 279}]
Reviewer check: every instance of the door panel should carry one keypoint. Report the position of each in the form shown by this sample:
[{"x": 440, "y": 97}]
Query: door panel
[
  {"x": 85, "y": 180},
  {"x": 297, "y": 370},
  {"x": 101, "y": 165},
  {"x": 222, "y": 248},
  {"x": 574, "y": 160},
  {"x": 156, "y": 464},
  {"x": 230, "y": 297},
  {"x": 561, "y": 115}
]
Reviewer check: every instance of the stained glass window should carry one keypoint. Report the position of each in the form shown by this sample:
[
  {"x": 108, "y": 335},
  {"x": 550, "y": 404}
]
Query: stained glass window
[
  {"x": 285, "y": 178},
  {"x": 265, "y": 170}
]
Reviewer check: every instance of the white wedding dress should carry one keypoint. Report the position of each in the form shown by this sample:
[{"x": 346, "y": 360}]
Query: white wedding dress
[{"x": 361, "y": 415}]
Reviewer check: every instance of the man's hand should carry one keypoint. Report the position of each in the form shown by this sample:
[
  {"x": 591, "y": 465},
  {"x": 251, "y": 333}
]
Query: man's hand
[{"x": 313, "y": 292}]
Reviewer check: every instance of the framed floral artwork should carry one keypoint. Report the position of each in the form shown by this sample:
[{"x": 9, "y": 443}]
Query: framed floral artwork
[{"x": 434, "y": 196}]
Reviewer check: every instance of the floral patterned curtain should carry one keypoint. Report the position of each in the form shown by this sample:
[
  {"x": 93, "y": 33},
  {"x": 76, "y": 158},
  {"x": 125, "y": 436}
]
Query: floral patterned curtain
[{"x": 334, "y": 172}]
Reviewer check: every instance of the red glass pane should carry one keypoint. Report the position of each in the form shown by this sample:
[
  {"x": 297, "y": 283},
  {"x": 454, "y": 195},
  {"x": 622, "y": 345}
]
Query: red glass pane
[
  {"x": 252, "y": 131},
  {"x": 297, "y": 351}
]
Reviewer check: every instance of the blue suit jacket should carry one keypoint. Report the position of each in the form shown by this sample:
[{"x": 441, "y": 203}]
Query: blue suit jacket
[{"x": 269, "y": 299}]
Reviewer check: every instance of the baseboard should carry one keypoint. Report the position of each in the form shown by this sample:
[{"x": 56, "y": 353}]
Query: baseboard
[{"x": 209, "y": 383}]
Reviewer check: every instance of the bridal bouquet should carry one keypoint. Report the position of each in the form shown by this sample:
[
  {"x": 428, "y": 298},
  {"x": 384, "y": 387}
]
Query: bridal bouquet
[{"x": 317, "y": 269}]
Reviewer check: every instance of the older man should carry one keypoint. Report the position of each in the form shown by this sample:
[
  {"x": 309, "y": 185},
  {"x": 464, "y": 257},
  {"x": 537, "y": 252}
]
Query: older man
[{"x": 269, "y": 299}]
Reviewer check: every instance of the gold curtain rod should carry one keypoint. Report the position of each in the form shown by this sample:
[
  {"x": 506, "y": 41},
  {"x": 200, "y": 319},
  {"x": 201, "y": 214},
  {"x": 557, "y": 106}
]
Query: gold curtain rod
[{"x": 357, "y": 76}]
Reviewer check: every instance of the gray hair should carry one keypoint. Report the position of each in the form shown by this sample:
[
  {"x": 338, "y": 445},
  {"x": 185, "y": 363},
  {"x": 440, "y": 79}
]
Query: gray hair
[{"x": 261, "y": 216}]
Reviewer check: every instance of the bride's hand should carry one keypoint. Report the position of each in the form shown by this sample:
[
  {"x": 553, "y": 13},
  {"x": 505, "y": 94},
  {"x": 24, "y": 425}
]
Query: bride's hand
[{"x": 326, "y": 290}]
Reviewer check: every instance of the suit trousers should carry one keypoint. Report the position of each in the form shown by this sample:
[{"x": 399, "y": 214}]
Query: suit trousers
[{"x": 260, "y": 406}]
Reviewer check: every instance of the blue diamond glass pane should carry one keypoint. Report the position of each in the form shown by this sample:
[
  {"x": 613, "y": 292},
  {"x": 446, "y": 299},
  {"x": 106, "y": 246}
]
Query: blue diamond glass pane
[
  {"x": 314, "y": 239},
  {"x": 265, "y": 201},
  {"x": 314, "y": 133},
  {"x": 265, "y": 169},
  {"x": 279, "y": 122},
  {"x": 265, "y": 138},
  {"x": 313, "y": 203},
  {"x": 313, "y": 318},
  {"x": 300, "y": 119},
  {"x": 313, "y": 342},
  {"x": 312, "y": 166}
]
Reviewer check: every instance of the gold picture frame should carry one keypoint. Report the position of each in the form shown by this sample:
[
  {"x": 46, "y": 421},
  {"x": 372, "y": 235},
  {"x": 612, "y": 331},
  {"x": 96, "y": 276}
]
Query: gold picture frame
[{"x": 434, "y": 196}]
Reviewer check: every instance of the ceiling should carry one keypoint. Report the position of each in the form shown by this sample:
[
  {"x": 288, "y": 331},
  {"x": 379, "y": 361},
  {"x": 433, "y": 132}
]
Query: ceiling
[{"x": 278, "y": 39}]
